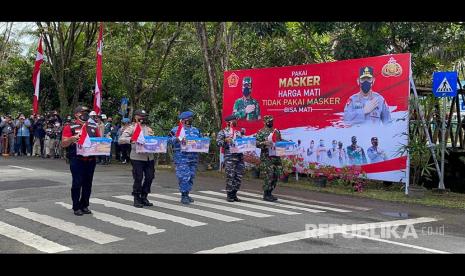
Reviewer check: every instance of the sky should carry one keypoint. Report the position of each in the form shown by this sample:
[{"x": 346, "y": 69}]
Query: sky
[{"x": 17, "y": 32}]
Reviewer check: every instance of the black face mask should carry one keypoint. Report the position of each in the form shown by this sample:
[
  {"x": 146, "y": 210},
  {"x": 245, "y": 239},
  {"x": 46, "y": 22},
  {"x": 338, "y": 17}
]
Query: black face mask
[
  {"x": 84, "y": 117},
  {"x": 246, "y": 91},
  {"x": 269, "y": 124},
  {"x": 375, "y": 144},
  {"x": 188, "y": 122}
]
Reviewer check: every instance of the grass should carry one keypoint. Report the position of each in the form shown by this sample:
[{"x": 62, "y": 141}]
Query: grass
[{"x": 374, "y": 190}]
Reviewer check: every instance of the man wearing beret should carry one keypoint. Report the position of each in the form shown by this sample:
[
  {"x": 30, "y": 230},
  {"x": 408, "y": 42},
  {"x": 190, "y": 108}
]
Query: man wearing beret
[
  {"x": 82, "y": 167},
  {"x": 270, "y": 165},
  {"x": 234, "y": 162},
  {"x": 185, "y": 162},
  {"x": 246, "y": 107},
  {"x": 366, "y": 105},
  {"x": 143, "y": 164}
]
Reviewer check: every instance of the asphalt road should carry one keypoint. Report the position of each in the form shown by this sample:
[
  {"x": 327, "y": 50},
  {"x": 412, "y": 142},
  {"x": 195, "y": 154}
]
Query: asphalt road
[{"x": 35, "y": 217}]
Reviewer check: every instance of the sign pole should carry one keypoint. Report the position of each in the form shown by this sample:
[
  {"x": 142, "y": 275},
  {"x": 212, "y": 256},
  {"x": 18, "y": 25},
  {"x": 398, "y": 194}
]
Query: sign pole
[{"x": 443, "y": 140}]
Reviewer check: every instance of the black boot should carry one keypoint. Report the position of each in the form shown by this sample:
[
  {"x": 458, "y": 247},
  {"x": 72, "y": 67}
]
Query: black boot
[
  {"x": 230, "y": 197},
  {"x": 190, "y": 198},
  {"x": 272, "y": 196},
  {"x": 144, "y": 200},
  {"x": 267, "y": 196},
  {"x": 235, "y": 197},
  {"x": 137, "y": 201}
]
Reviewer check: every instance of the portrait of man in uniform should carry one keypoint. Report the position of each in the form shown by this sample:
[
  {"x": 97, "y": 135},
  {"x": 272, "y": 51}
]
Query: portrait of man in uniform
[
  {"x": 366, "y": 106},
  {"x": 246, "y": 107}
]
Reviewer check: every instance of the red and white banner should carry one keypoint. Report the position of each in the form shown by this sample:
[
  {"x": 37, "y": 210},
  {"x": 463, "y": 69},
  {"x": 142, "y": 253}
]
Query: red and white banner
[
  {"x": 351, "y": 112},
  {"x": 98, "y": 79},
  {"x": 36, "y": 76}
]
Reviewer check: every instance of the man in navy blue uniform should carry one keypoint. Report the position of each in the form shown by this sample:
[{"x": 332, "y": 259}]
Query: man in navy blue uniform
[{"x": 185, "y": 162}]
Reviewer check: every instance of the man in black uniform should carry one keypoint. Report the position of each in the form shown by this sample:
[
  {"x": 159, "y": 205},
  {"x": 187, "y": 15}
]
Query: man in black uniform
[{"x": 82, "y": 168}]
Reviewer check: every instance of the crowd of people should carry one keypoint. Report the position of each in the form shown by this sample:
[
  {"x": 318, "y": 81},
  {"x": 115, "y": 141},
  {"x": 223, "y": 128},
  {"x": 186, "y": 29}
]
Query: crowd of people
[{"x": 40, "y": 135}]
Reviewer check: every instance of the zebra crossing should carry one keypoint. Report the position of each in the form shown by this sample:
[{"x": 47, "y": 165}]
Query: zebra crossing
[{"x": 210, "y": 207}]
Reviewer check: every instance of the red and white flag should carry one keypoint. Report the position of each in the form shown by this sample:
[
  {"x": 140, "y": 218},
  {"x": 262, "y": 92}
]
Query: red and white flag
[
  {"x": 181, "y": 132},
  {"x": 84, "y": 139},
  {"x": 273, "y": 137},
  {"x": 36, "y": 76},
  {"x": 138, "y": 135},
  {"x": 98, "y": 79}
]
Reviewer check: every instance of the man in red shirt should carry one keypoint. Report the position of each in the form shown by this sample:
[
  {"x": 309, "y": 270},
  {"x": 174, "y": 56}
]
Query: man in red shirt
[{"x": 82, "y": 168}]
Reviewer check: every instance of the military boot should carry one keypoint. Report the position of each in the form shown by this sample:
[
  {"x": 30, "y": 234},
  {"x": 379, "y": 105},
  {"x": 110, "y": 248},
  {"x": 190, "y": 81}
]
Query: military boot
[
  {"x": 190, "y": 198},
  {"x": 272, "y": 196},
  {"x": 144, "y": 200},
  {"x": 185, "y": 198},
  {"x": 230, "y": 197},
  {"x": 137, "y": 201},
  {"x": 235, "y": 197},
  {"x": 267, "y": 196}
]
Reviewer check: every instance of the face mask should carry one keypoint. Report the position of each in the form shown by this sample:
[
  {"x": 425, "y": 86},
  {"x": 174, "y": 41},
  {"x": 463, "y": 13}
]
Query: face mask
[
  {"x": 375, "y": 144},
  {"x": 334, "y": 145},
  {"x": 269, "y": 124},
  {"x": 188, "y": 122},
  {"x": 84, "y": 117},
  {"x": 365, "y": 86},
  {"x": 246, "y": 91}
]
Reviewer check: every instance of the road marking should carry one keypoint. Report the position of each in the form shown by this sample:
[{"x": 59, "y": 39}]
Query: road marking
[
  {"x": 253, "y": 206},
  {"x": 188, "y": 210},
  {"x": 300, "y": 203},
  {"x": 80, "y": 231},
  {"x": 18, "y": 167},
  {"x": 131, "y": 224},
  {"x": 31, "y": 239},
  {"x": 401, "y": 244},
  {"x": 269, "y": 203},
  {"x": 216, "y": 206},
  {"x": 147, "y": 212},
  {"x": 300, "y": 235}
]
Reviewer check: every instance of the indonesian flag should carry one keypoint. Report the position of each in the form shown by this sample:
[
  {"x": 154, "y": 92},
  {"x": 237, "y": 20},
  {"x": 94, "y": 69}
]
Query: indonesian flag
[
  {"x": 36, "y": 76},
  {"x": 138, "y": 135},
  {"x": 84, "y": 139},
  {"x": 273, "y": 137},
  {"x": 181, "y": 132},
  {"x": 98, "y": 79}
]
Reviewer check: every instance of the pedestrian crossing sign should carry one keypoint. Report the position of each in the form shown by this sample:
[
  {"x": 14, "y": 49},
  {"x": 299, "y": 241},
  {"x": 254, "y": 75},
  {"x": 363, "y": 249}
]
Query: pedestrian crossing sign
[{"x": 445, "y": 84}]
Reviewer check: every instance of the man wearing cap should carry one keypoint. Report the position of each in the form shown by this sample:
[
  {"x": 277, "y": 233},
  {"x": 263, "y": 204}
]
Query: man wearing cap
[
  {"x": 246, "y": 107},
  {"x": 234, "y": 162},
  {"x": 375, "y": 153},
  {"x": 356, "y": 153},
  {"x": 366, "y": 105},
  {"x": 185, "y": 162},
  {"x": 270, "y": 165},
  {"x": 82, "y": 167},
  {"x": 143, "y": 164}
]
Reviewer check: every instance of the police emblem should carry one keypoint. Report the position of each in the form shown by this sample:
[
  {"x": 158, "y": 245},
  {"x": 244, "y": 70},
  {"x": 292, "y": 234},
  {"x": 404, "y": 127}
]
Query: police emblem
[
  {"x": 391, "y": 69},
  {"x": 233, "y": 80}
]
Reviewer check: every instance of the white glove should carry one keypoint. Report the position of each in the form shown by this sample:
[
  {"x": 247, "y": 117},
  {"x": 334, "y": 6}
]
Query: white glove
[
  {"x": 370, "y": 106},
  {"x": 250, "y": 108}
]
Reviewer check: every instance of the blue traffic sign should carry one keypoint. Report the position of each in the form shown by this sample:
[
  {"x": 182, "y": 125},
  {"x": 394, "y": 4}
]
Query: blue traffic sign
[{"x": 445, "y": 84}]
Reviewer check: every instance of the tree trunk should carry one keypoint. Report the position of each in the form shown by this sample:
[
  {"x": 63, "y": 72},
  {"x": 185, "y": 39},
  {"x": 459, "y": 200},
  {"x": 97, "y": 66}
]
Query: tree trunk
[{"x": 211, "y": 74}]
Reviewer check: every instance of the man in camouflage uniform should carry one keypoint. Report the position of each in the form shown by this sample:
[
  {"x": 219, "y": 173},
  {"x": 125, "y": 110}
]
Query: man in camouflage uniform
[
  {"x": 356, "y": 153},
  {"x": 246, "y": 107},
  {"x": 366, "y": 105},
  {"x": 185, "y": 162},
  {"x": 234, "y": 162},
  {"x": 270, "y": 165}
]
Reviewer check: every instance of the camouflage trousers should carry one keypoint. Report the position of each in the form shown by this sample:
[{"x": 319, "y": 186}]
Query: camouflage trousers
[
  {"x": 234, "y": 168},
  {"x": 272, "y": 169}
]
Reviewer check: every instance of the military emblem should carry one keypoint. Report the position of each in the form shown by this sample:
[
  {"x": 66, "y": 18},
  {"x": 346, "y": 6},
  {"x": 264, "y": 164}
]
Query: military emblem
[
  {"x": 391, "y": 69},
  {"x": 233, "y": 80}
]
